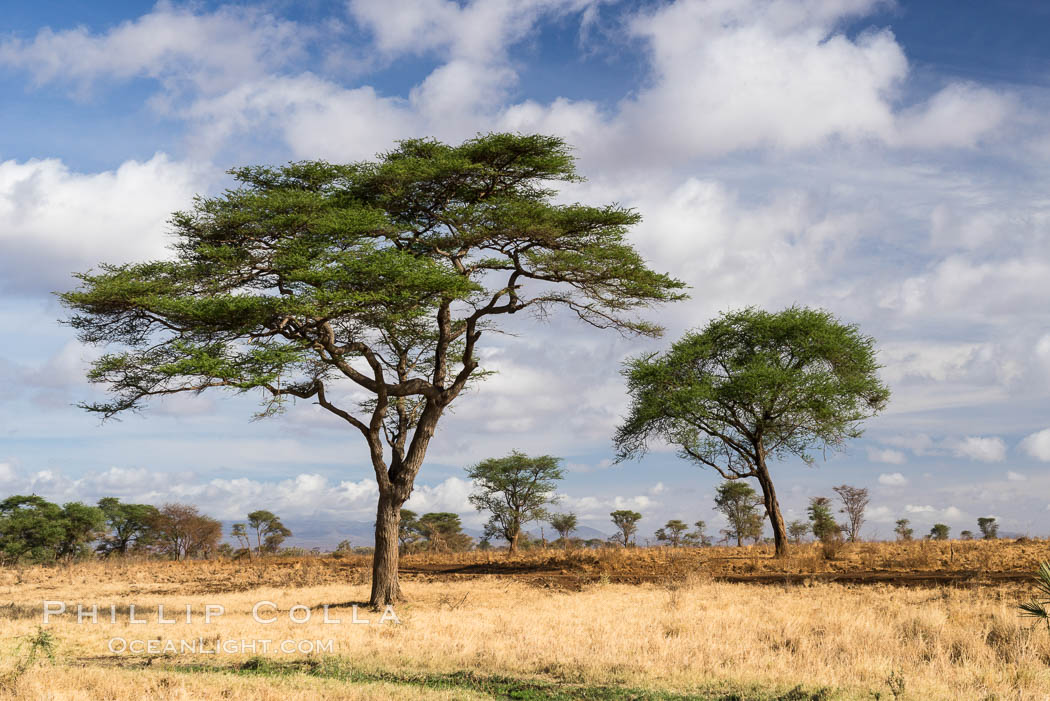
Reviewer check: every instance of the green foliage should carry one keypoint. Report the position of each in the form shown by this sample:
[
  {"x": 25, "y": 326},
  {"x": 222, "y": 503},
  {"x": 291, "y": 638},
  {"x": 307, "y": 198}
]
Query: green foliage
[
  {"x": 903, "y": 531},
  {"x": 443, "y": 532},
  {"x": 564, "y": 524},
  {"x": 822, "y": 521},
  {"x": 281, "y": 283},
  {"x": 753, "y": 385},
  {"x": 471, "y": 683},
  {"x": 988, "y": 527},
  {"x": 269, "y": 531},
  {"x": 41, "y": 644},
  {"x": 127, "y": 524},
  {"x": 408, "y": 528},
  {"x": 32, "y": 529},
  {"x": 81, "y": 525},
  {"x": 739, "y": 503},
  {"x": 798, "y": 530},
  {"x": 515, "y": 490},
  {"x": 1038, "y": 607},
  {"x": 798, "y": 378},
  {"x": 939, "y": 532},
  {"x": 672, "y": 533},
  {"x": 626, "y": 522},
  {"x": 698, "y": 537}
]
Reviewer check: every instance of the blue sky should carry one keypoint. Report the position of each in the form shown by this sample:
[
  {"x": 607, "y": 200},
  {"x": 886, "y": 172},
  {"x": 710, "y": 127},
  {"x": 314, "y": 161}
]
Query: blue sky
[{"x": 887, "y": 161}]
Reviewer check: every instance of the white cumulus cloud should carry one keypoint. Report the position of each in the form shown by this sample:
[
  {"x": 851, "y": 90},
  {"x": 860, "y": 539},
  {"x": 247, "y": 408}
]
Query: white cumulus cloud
[
  {"x": 892, "y": 479},
  {"x": 1038, "y": 445},
  {"x": 982, "y": 449}
]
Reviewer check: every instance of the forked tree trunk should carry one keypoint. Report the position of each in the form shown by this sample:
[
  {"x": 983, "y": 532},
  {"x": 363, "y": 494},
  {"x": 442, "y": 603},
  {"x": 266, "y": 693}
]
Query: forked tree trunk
[
  {"x": 386, "y": 589},
  {"x": 776, "y": 520}
]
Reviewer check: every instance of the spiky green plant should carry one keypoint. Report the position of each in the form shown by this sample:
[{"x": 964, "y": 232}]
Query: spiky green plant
[{"x": 1037, "y": 608}]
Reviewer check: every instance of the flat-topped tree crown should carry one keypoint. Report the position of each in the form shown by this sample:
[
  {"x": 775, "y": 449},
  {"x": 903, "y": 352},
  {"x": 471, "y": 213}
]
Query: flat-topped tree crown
[
  {"x": 753, "y": 386},
  {"x": 382, "y": 275}
]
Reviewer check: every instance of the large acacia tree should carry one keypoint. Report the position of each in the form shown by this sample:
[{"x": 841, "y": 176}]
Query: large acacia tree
[
  {"x": 752, "y": 387},
  {"x": 310, "y": 280}
]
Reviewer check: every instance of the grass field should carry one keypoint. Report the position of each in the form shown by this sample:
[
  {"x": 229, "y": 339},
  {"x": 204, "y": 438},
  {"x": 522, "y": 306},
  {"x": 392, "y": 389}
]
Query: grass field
[{"x": 905, "y": 621}]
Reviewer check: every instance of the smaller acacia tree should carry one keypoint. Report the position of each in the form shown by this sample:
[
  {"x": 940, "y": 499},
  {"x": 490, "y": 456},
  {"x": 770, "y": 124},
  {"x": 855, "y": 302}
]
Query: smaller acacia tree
[
  {"x": 240, "y": 532},
  {"x": 823, "y": 522},
  {"x": 939, "y": 531},
  {"x": 753, "y": 387},
  {"x": 672, "y": 533},
  {"x": 739, "y": 503},
  {"x": 698, "y": 537},
  {"x": 183, "y": 532},
  {"x": 408, "y": 532},
  {"x": 81, "y": 524},
  {"x": 269, "y": 531},
  {"x": 989, "y": 528},
  {"x": 443, "y": 532},
  {"x": 903, "y": 530},
  {"x": 854, "y": 503},
  {"x": 626, "y": 522},
  {"x": 797, "y": 530},
  {"x": 564, "y": 524},
  {"x": 128, "y": 525},
  {"x": 515, "y": 490}
]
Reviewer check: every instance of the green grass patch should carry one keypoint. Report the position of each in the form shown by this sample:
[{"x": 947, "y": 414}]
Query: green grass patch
[{"x": 500, "y": 687}]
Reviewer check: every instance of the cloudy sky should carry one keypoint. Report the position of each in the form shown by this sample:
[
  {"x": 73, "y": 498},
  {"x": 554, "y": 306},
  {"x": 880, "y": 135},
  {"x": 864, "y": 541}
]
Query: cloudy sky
[{"x": 887, "y": 161}]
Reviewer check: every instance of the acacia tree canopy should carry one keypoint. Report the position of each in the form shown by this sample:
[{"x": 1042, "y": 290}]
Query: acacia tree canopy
[
  {"x": 379, "y": 276},
  {"x": 515, "y": 490},
  {"x": 753, "y": 386}
]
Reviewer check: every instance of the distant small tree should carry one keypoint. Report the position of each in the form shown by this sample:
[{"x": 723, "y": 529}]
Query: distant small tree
[
  {"x": 989, "y": 528},
  {"x": 515, "y": 490},
  {"x": 854, "y": 502},
  {"x": 444, "y": 532},
  {"x": 564, "y": 524},
  {"x": 269, "y": 531},
  {"x": 127, "y": 524},
  {"x": 966, "y": 535},
  {"x": 821, "y": 520},
  {"x": 798, "y": 530},
  {"x": 626, "y": 522},
  {"x": 739, "y": 503},
  {"x": 698, "y": 537},
  {"x": 408, "y": 532},
  {"x": 183, "y": 532},
  {"x": 240, "y": 532},
  {"x": 939, "y": 531},
  {"x": 672, "y": 533},
  {"x": 902, "y": 529},
  {"x": 344, "y": 548}
]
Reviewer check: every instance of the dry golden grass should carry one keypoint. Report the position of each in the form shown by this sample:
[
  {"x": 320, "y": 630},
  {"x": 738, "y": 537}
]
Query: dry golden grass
[{"x": 680, "y": 631}]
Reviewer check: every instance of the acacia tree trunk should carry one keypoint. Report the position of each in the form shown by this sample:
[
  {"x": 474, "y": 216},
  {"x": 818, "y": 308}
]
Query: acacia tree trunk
[
  {"x": 513, "y": 543},
  {"x": 776, "y": 520},
  {"x": 385, "y": 586}
]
